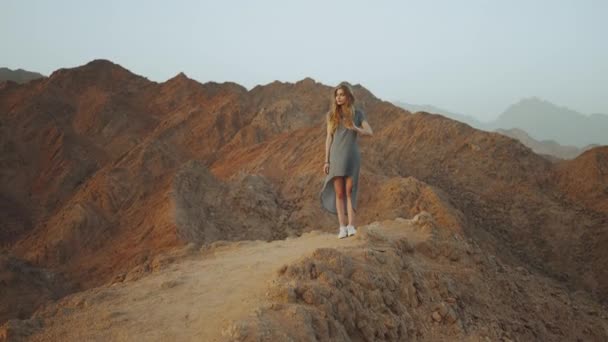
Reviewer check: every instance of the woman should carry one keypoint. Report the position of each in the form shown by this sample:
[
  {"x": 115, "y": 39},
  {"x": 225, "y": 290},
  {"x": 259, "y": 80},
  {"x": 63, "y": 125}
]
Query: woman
[{"x": 342, "y": 158}]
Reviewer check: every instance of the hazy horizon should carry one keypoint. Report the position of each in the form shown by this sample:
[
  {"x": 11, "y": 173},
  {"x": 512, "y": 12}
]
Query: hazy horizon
[{"x": 471, "y": 57}]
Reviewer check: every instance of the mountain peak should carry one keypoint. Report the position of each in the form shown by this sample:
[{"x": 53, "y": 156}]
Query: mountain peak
[
  {"x": 306, "y": 81},
  {"x": 94, "y": 66},
  {"x": 181, "y": 76},
  {"x": 182, "y": 80},
  {"x": 99, "y": 72},
  {"x": 101, "y": 63},
  {"x": 533, "y": 99},
  {"x": 545, "y": 120},
  {"x": 18, "y": 75}
]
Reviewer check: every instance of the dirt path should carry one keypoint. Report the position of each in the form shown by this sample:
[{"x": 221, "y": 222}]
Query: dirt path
[
  {"x": 190, "y": 300},
  {"x": 448, "y": 290}
]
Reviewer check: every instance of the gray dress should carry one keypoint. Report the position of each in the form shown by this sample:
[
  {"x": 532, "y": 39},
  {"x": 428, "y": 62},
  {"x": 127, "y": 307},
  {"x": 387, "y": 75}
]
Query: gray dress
[{"x": 344, "y": 160}]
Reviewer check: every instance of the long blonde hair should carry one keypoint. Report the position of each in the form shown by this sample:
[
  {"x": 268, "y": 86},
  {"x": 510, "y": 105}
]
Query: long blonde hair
[{"x": 345, "y": 112}]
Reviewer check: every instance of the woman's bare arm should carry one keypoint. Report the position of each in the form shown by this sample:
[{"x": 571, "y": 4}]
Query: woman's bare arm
[
  {"x": 365, "y": 128},
  {"x": 328, "y": 140}
]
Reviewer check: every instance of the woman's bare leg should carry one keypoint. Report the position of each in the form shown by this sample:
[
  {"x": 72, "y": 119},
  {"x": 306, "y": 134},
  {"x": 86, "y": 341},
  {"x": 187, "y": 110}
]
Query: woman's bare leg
[
  {"x": 349, "y": 203},
  {"x": 339, "y": 189}
]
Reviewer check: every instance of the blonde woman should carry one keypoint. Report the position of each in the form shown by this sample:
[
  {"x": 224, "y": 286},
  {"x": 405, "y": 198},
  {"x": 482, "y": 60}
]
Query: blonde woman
[{"x": 342, "y": 158}]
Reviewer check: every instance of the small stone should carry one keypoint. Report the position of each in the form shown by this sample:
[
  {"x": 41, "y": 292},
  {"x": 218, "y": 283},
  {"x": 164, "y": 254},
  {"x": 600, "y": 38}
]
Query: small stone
[
  {"x": 454, "y": 256},
  {"x": 276, "y": 306},
  {"x": 237, "y": 331},
  {"x": 282, "y": 270},
  {"x": 451, "y": 316},
  {"x": 436, "y": 316},
  {"x": 81, "y": 303},
  {"x": 442, "y": 309},
  {"x": 169, "y": 284}
]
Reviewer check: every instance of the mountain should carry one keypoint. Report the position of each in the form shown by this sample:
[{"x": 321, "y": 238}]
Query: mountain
[
  {"x": 469, "y": 120},
  {"x": 546, "y": 121},
  {"x": 106, "y": 175},
  {"x": 18, "y": 76},
  {"x": 544, "y": 127},
  {"x": 546, "y": 147},
  {"x": 585, "y": 179},
  {"x": 396, "y": 280}
]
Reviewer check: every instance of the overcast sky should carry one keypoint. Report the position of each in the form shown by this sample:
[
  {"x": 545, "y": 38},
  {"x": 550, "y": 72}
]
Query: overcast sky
[{"x": 471, "y": 56}]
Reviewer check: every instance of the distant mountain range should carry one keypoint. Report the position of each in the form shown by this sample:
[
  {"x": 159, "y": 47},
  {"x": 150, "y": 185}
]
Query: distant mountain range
[
  {"x": 471, "y": 121},
  {"x": 545, "y": 147},
  {"x": 540, "y": 119},
  {"x": 19, "y": 75}
]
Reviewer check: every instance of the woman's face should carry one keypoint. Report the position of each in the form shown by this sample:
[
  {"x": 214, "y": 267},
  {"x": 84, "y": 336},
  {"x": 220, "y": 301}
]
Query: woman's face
[{"x": 340, "y": 97}]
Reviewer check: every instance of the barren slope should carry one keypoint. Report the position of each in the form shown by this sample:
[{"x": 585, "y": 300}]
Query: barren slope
[{"x": 396, "y": 281}]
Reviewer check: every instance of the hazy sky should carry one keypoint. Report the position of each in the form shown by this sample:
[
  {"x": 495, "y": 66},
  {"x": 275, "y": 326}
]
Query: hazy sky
[{"x": 470, "y": 56}]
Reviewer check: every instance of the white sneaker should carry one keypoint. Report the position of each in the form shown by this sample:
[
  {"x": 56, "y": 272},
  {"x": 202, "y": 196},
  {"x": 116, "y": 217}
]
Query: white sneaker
[
  {"x": 342, "y": 233},
  {"x": 350, "y": 230}
]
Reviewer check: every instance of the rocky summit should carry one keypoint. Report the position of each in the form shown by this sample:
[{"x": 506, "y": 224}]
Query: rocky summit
[{"x": 136, "y": 210}]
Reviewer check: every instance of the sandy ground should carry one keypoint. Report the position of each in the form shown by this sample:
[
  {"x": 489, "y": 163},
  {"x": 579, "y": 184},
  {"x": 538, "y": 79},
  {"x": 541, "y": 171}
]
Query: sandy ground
[
  {"x": 193, "y": 299},
  {"x": 394, "y": 279}
]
